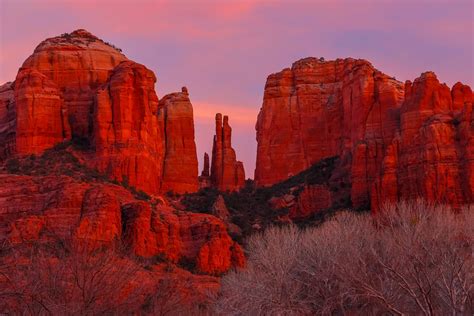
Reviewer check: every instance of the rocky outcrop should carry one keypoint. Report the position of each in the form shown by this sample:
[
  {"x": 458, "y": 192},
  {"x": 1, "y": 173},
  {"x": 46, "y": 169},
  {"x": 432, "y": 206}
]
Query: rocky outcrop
[
  {"x": 319, "y": 109},
  {"x": 180, "y": 167},
  {"x": 76, "y": 86},
  {"x": 7, "y": 120},
  {"x": 303, "y": 201},
  {"x": 219, "y": 209},
  {"x": 58, "y": 208},
  {"x": 128, "y": 138},
  {"x": 205, "y": 168},
  {"x": 41, "y": 116},
  {"x": 78, "y": 63},
  {"x": 180, "y": 235},
  {"x": 394, "y": 141},
  {"x": 430, "y": 157},
  {"x": 227, "y": 174},
  {"x": 205, "y": 178}
]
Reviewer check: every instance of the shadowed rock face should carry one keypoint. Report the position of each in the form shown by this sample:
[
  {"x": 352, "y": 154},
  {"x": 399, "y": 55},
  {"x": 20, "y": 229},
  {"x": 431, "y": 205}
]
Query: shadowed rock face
[
  {"x": 227, "y": 174},
  {"x": 395, "y": 141}
]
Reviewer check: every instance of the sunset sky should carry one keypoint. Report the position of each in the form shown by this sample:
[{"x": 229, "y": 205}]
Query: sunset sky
[{"x": 224, "y": 50}]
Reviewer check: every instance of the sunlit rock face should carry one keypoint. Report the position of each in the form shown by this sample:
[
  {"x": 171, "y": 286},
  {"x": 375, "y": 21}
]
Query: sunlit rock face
[
  {"x": 128, "y": 138},
  {"x": 395, "y": 140},
  {"x": 78, "y": 63},
  {"x": 227, "y": 174},
  {"x": 180, "y": 169},
  {"x": 78, "y": 87},
  {"x": 58, "y": 208}
]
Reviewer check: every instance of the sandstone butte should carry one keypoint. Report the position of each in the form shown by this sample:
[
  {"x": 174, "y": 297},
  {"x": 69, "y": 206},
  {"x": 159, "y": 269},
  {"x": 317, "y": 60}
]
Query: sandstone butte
[
  {"x": 76, "y": 86},
  {"x": 227, "y": 174},
  {"x": 394, "y": 141}
]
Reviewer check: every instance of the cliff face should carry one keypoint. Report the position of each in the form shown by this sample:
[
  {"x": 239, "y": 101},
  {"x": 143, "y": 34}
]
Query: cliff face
[
  {"x": 51, "y": 208},
  {"x": 431, "y": 155},
  {"x": 128, "y": 138},
  {"x": 395, "y": 141},
  {"x": 7, "y": 119},
  {"x": 78, "y": 63},
  {"x": 80, "y": 118},
  {"x": 227, "y": 174},
  {"x": 41, "y": 116},
  {"x": 76, "y": 86},
  {"x": 180, "y": 170}
]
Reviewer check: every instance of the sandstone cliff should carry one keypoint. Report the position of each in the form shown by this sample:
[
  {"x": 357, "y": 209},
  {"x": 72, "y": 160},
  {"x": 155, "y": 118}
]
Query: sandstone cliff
[
  {"x": 180, "y": 169},
  {"x": 78, "y": 63},
  {"x": 7, "y": 119},
  {"x": 76, "y": 86},
  {"x": 227, "y": 174},
  {"x": 394, "y": 141},
  {"x": 59, "y": 208}
]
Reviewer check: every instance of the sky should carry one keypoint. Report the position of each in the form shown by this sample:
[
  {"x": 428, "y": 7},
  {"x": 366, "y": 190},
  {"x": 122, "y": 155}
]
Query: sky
[{"x": 223, "y": 50}]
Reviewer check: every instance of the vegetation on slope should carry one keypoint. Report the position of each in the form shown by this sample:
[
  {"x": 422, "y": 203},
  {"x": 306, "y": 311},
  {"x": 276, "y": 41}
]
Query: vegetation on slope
[
  {"x": 61, "y": 160},
  {"x": 250, "y": 206}
]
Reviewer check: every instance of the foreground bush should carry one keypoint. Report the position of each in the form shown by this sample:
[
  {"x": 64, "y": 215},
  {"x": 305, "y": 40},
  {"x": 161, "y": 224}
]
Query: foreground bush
[
  {"x": 413, "y": 258},
  {"x": 65, "y": 279}
]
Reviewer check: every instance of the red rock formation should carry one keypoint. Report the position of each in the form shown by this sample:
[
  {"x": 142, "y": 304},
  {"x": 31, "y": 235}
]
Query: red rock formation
[
  {"x": 205, "y": 168},
  {"x": 304, "y": 202},
  {"x": 128, "y": 138},
  {"x": 430, "y": 157},
  {"x": 78, "y": 63},
  {"x": 180, "y": 235},
  {"x": 7, "y": 119},
  {"x": 226, "y": 172},
  {"x": 205, "y": 179},
  {"x": 180, "y": 169},
  {"x": 41, "y": 117},
  {"x": 219, "y": 209},
  {"x": 76, "y": 85},
  {"x": 53, "y": 208},
  {"x": 394, "y": 142},
  {"x": 319, "y": 109}
]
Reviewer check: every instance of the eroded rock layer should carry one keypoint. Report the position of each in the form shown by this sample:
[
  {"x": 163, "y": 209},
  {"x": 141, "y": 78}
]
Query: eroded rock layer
[
  {"x": 394, "y": 141},
  {"x": 51, "y": 208}
]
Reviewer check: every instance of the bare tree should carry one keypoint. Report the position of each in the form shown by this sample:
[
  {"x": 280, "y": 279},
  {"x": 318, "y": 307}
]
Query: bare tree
[
  {"x": 74, "y": 281},
  {"x": 413, "y": 258}
]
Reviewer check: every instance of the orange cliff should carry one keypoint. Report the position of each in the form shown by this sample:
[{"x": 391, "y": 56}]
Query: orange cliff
[
  {"x": 394, "y": 141},
  {"x": 76, "y": 86},
  {"x": 227, "y": 174}
]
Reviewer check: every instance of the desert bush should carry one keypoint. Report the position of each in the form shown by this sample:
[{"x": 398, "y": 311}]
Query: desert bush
[{"x": 412, "y": 258}]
